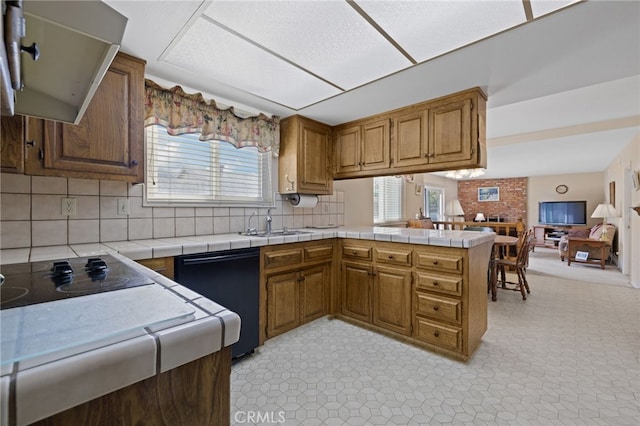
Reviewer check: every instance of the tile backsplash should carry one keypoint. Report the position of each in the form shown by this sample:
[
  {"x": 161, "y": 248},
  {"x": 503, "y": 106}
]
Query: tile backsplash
[{"x": 31, "y": 213}]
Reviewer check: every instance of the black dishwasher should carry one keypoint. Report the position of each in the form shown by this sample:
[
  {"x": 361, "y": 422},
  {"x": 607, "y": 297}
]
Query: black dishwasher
[{"x": 232, "y": 279}]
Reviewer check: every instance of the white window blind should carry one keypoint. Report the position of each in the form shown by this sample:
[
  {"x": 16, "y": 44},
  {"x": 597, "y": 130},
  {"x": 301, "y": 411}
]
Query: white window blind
[
  {"x": 387, "y": 199},
  {"x": 185, "y": 170}
]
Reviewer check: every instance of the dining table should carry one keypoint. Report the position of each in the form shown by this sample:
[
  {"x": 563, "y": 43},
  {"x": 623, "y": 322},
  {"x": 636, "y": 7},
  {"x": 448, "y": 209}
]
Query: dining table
[{"x": 500, "y": 246}]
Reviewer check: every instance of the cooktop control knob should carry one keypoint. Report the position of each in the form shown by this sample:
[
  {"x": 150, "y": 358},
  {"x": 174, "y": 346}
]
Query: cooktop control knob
[
  {"x": 61, "y": 273},
  {"x": 95, "y": 265}
]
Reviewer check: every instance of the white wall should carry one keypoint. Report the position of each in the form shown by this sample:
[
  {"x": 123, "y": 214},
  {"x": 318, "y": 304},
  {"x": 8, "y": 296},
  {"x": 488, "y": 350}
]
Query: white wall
[
  {"x": 629, "y": 221},
  {"x": 358, "y": 196},
  {"x": 582, "y": 186}
]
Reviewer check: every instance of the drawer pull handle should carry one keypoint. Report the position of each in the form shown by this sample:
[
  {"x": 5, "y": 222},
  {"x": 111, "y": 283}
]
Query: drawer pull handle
[
  {"x": 436, "y": 333},
  {"x": 435, "y": 262},
  {"x": 435, "y": 308},
  {"x": 391, "y": 257},
  {"x": 354, "y": 252},
  {"x": 436, "y": 283}
]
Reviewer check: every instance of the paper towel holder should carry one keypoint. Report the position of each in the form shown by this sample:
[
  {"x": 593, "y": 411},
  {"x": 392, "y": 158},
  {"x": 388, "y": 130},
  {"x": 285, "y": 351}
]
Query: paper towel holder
[{"x": 294, "y": 199}]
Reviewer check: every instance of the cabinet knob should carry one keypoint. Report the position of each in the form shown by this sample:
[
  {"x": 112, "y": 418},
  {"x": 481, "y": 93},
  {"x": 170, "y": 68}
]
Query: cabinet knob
[
  {"x": 391, "y": 257},
  {"x": 436, "y": 333},
  {"x": 435, "y": 308},
  {"x": 435, "y": 262},
  {"x": 134, "y": 163},
  {"x": 33, "y": 51},
  {"x": 30, "y": 143},
  {"x": 436, "y": 283}
]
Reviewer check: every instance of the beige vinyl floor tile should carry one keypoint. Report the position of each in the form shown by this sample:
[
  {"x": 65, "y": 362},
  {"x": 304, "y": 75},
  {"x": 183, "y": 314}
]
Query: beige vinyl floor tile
[{"x": 568, "y": 355}]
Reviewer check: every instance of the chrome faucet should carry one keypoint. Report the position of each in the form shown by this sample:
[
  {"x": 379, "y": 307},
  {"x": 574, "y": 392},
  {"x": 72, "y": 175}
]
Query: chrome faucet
[
  {"x": 269, "y": 219},
  {"x": 251, "y": 230}
]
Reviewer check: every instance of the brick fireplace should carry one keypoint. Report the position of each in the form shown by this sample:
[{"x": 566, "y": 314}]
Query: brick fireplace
[{"x": 511, "y": 205}]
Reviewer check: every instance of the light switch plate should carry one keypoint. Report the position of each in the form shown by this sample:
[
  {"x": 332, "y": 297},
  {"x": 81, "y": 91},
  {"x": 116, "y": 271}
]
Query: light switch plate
[{"x": 68, "y": 206}]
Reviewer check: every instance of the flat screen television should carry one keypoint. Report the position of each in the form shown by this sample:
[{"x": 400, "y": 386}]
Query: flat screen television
[{"x": 562, "y": 212}]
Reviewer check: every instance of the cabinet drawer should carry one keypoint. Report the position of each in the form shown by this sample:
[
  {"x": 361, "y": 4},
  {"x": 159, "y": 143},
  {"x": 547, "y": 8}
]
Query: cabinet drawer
[
  {"x": 445, "y": 284},
  {"x": 282, "y": 258},
  {"x": 438, "y": 334},
  {"x": 357, "y": 252},
  {"x": 395, "y": 257},
  {"x": 439, "y": 261},
  {"x": 438, "y": 308},
  {"x": 319, "y": 252}
]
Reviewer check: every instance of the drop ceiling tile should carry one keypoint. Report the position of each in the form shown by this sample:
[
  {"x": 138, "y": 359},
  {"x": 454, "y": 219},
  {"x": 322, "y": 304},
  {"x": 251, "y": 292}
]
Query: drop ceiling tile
[
  {"x": 427, "y": 29},
  {"x": 206, "y": 49},
  {"x": 543, "y": 7},
  {"x": 328, "y": 38}
]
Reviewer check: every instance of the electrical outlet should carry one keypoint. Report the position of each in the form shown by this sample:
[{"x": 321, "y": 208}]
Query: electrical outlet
[
  {"x": 123, "y": 206},
  {"x": 325, "y": 208},
  {"x": 68, "y": 206}
]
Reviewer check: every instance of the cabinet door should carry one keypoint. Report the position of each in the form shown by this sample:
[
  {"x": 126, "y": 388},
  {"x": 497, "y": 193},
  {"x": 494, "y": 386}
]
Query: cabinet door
[
  {"x": 109, "y": 140},
  {"x": 282, "y": 303},
  {"x": 347, "y": 158},
  {"x": 12, "y": 145},
  {"x": 410, "y": 146},
  {"x": 314, "y": 159},
  {"x": 313, "y": 297},
  {"x": 356, "y": 290},
  {"x": 375, "y": 145},
  {"x": 392, "y": 299},
  {"x": 450, "y": 132}
]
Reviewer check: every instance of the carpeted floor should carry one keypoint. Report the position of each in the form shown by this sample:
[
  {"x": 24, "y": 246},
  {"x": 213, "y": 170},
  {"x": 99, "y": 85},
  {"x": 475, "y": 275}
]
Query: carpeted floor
[{"x": 546, "y": 262}]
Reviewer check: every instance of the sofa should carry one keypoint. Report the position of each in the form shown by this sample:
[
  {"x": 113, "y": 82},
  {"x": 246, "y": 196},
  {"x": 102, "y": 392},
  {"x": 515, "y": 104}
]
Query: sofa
[{"x": 594, "y": 234}]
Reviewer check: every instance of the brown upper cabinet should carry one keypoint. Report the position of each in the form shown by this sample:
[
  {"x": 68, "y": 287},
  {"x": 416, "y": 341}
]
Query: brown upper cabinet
[
  {"x": 362, "y": 147},
  {"x": 12, "y": 145},
  {"x": 305, "y": 157},
  {"x": 108, "y": 143},
  {"x": 442, "y": 134}
]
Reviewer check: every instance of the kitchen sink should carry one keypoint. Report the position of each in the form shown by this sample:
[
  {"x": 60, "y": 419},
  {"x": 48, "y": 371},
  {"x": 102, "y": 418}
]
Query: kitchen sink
[{"x": 278, "y": 233}]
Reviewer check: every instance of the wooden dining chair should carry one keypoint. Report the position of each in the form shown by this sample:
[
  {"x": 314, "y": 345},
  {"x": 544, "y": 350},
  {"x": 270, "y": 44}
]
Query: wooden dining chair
[{"x": 519, "y": 265}]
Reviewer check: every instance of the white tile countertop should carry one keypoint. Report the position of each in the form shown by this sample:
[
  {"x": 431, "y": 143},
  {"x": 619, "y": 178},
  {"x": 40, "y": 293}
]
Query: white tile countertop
[
  {"x": 147, "y": 249},
  {"x": 60, "y": 354},
  {"x": 53, "y": 380}
]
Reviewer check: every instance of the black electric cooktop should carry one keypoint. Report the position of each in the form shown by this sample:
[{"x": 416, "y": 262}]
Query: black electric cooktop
[{"x": 38, "y": 282}]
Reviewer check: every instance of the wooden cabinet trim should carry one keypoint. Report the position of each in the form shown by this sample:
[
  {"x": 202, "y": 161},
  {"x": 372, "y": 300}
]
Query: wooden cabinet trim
[
  {"x": 283, "y": 258},
  {"x": 438, "y": 308},
  {"x": 393, "y": 256}
]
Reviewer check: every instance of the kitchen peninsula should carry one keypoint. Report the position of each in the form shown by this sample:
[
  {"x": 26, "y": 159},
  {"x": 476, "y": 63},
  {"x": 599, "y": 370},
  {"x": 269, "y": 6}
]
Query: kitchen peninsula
[{"x": 446, "y": 312}]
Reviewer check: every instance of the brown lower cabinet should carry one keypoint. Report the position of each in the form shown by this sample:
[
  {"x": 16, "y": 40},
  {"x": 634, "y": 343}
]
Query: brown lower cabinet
[
  {"x": 295, "y": 285},
  {"x": 432, "y": 296},
  {"x": 196, "y": 393}
]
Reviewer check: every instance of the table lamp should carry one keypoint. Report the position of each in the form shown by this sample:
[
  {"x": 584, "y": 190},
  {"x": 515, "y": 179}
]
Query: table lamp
[
  {"x": 604, "y": 211},
  {"x": 453, "y": 208},
  {"x": 480, "y": 217}
]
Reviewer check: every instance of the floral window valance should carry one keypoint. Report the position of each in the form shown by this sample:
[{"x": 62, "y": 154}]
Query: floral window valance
[{"x": 181, "y": 113}]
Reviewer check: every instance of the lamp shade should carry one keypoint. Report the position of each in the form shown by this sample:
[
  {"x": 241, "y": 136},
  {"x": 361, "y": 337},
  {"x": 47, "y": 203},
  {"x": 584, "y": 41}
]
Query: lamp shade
[
  {"x": 480, "y": 217},
  {"x": 604, "y": 210},
  {"x": 453, "y": 208}
]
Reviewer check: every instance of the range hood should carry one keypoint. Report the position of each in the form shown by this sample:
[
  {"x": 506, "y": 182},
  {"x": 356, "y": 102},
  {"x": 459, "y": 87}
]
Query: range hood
[{"x": 77, "y": 41}]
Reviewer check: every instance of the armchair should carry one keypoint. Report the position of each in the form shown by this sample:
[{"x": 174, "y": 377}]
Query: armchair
[{"x": 586, "y": 240}]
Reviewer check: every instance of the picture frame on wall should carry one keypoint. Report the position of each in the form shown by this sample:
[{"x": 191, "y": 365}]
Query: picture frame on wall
[
  {"x": 612, "y": 193},
  {"x": 635, "y": 177},
  {"x": 489, "y": 193}
]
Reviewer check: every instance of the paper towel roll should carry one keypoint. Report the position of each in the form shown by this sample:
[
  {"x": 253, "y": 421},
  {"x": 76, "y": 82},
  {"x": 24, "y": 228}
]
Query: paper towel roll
[{"x": 303, "y": 200}]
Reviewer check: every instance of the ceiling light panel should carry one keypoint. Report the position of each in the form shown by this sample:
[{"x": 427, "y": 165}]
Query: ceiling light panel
[
  {"x": 430, "y": 28},
  {"x": 328, "y": 38},
  {"x": 542, "y": 7},
  {"x": 217, "y": 54}
]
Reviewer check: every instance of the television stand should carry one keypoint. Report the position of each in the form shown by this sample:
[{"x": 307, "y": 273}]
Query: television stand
[{"x": 549, "y": 236}]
